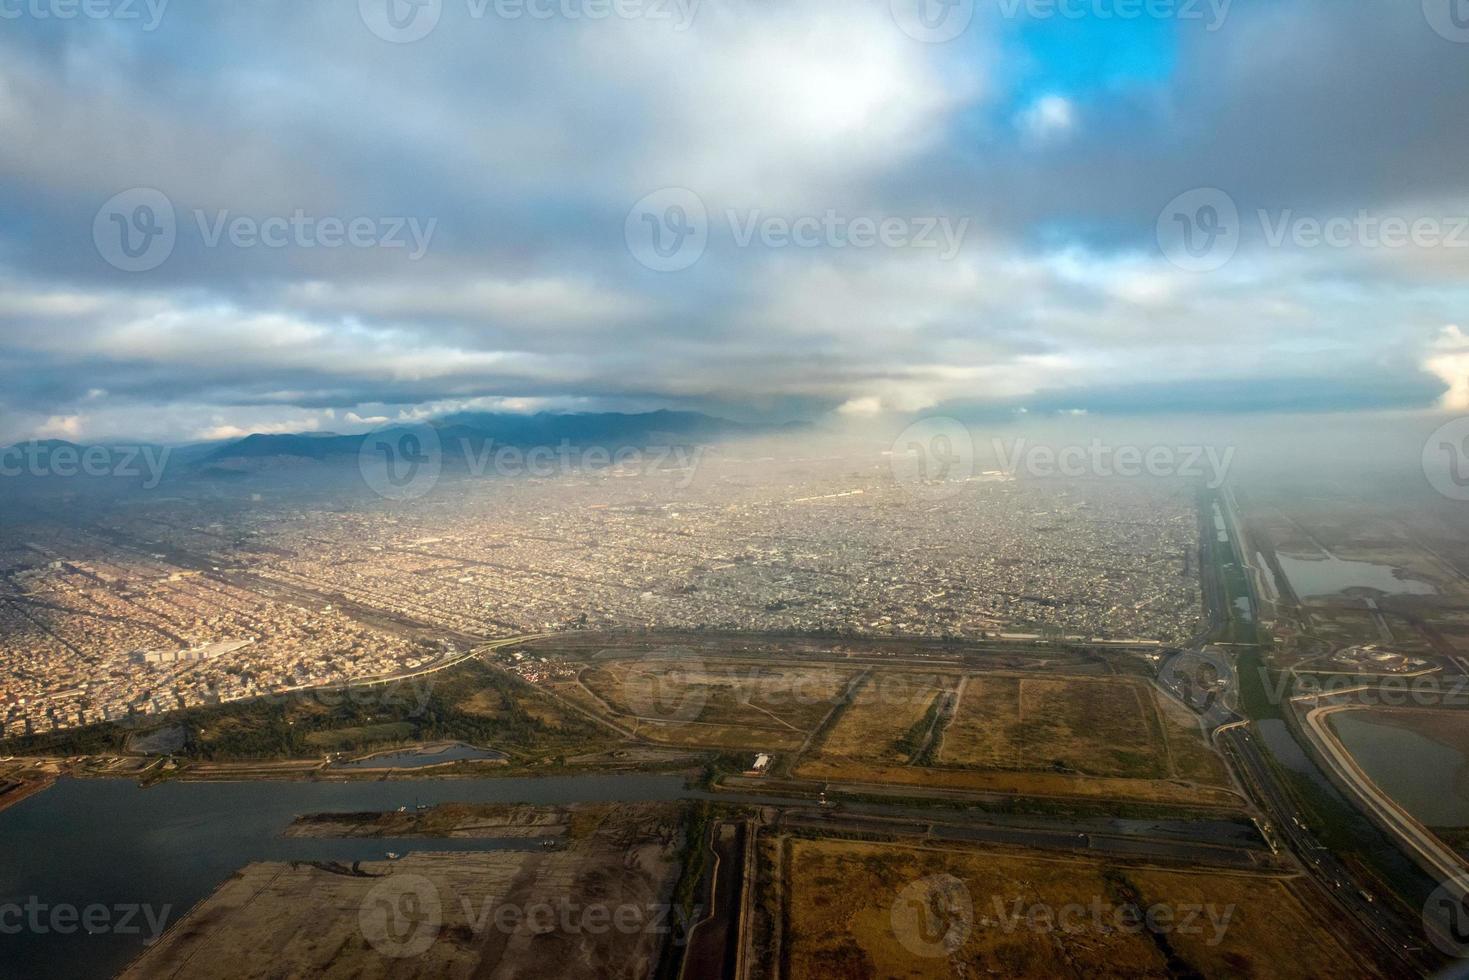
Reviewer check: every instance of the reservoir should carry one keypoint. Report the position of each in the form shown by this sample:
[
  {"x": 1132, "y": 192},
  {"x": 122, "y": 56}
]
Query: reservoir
[
  {"x": 1426, "y": 777},
  {"x": 1330, "y": 575}
]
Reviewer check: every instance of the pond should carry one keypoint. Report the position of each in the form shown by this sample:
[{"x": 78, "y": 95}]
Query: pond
[
  {"x": 1426, "y": 777},
  {"x": 1330, "y": 575}
]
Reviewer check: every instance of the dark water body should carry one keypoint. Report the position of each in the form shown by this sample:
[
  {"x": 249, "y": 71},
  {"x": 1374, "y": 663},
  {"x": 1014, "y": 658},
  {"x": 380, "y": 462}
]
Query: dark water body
[
  {"x": 1427, "y": 778},
  {"x": 1288, "y": 752},
  {"x": 107, "y": 842}
]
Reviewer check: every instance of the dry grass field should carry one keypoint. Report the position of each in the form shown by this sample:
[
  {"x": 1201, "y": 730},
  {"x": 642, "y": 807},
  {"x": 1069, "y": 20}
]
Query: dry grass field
[
  {"x": 1095, "y": 727},
  {"x": 862, "y": 910},
  {"x": 724, "y": 704},
  {"x": 884, "y": 713},
  {"x": 1090, "y": 737}
]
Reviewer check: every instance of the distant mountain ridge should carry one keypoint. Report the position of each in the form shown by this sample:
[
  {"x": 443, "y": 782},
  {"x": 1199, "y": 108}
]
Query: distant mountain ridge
[{"x": 474, "y": 429}]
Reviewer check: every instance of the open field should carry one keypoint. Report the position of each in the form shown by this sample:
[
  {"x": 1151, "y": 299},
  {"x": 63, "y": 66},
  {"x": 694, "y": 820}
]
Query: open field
[
  {"x": 1090, "y": 737},
  {"x": 855, "y": 909},
  {"x": 886, "y": 719},
  {"x": 476, "y": 914},
  {"x": 744, "y": 705},
  {"x": 1101, "y": 728}
]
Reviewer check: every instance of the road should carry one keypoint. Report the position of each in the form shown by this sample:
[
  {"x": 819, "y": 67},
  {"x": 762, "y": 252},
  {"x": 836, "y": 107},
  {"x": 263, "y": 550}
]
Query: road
[
  {"x": 1375, "y": 919},
  {"x": 1431, "y": 853}
]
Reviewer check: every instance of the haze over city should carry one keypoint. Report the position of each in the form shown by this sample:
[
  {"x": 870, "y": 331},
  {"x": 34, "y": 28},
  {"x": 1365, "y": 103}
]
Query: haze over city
[{"x": 674, "y": 489}]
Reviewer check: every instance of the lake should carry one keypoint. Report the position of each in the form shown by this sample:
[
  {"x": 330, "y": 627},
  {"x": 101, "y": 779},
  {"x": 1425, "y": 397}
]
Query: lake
[
  {"x": 1330, "y": 575},
  {"x": 1427, "y": 778},
  {"x": 108, "y": 842}
]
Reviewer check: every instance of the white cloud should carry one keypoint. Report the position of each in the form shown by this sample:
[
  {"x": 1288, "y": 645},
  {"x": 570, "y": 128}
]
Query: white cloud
[
  {"x": 60, "y": 427},
  {"x": 1449, "y": 360},
  {"x": 1047, "y": 118}
]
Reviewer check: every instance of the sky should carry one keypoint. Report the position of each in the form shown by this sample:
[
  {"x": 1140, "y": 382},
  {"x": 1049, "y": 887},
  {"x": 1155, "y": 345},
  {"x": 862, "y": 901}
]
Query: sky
[{"x": 219, "y": 217}]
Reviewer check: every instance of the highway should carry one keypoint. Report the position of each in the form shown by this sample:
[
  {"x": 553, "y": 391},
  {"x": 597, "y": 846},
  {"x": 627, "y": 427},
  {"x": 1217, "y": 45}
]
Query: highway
[
  {"x": 915, "y": 824},
  {"x": 1398, "y": 942}
]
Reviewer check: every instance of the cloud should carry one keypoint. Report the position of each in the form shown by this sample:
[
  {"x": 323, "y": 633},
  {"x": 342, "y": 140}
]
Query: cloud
[
  {"x": 1449, "y": 361},
  {"x": 1049, "y": 117},
  {"x": 528, "y": 141}
]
